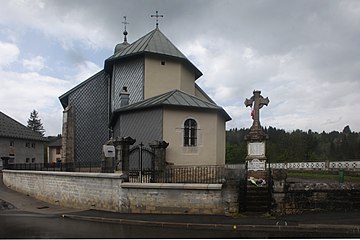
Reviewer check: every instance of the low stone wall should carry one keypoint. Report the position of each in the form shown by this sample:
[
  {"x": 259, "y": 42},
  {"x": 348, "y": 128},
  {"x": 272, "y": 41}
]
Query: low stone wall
[
  {"x": 106, "y": 191},
  {"x": 174, "y": 198},
  {"x": 76, "y": 190}
]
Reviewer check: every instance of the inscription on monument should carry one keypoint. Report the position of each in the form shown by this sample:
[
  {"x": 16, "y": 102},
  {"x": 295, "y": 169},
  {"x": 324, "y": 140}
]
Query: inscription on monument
[
  {"x": 256, "y": 149},
  {"x": 256, "y": 165}
]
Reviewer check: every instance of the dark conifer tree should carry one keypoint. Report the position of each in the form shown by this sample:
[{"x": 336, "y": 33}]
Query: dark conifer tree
[{"x": 34, "y": 123}]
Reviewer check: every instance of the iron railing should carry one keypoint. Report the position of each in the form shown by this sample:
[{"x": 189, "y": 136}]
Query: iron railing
[
  {"x": 180, "y": 174},
  {"x": 173, "y": 174},
  {"x": 59, "y": 167}
]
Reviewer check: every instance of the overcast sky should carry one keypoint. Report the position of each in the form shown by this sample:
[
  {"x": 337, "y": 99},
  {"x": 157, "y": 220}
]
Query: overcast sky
[{"x": 303, "y": 55}]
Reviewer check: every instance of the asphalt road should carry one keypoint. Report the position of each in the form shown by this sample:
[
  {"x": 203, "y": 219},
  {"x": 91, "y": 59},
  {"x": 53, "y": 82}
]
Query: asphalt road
[
  {"x": 28, "y": 225},
  {"x": 25, "y": 225}
]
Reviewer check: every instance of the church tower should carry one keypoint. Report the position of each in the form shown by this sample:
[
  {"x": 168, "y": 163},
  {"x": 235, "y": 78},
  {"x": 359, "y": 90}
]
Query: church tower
[{"x": 150, "y": 66}]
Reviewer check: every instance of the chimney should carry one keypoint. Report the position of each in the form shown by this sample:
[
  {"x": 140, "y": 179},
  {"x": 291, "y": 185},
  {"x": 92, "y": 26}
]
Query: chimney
[{"x": 124, "y": 97}]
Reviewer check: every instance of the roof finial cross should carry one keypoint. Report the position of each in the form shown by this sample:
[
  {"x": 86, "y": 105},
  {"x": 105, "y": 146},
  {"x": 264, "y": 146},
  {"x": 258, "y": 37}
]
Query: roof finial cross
[
  {"x": 125, "y": 32},
  {"x": 157, "y": 18}
]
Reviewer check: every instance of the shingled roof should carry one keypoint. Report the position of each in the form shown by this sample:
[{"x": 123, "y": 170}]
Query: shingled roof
[
  {"x": 155, "y": 42},
  {"x": 10, "y": 128},
  {"x": 175, "y": 98}
]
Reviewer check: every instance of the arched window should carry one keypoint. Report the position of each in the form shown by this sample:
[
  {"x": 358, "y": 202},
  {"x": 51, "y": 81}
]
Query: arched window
[{"x": 190, "y": 132}]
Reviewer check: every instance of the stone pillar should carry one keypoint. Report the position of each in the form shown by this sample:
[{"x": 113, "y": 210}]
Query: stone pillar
[
  {"x": 279, "y": 190},
  {"x": 122, "y": 152},
  {"x": 159, "y": 159},
  {"x": 159, "y": 150},
  {"x": 68, "y": 138},
  {"x": 230, "y": 192}
]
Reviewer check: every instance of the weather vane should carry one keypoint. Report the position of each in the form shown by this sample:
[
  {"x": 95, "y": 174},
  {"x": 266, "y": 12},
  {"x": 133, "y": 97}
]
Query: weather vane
[{"x": 157, "y": 17}]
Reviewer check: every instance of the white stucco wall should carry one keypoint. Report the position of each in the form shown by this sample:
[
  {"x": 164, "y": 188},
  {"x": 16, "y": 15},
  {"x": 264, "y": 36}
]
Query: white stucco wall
[
  {"x": 164, "y": 78},
  {"x": 210, "y": 149}
]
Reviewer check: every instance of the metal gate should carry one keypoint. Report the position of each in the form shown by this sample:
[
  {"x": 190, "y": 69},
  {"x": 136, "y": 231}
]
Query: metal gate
[{"x": 141, "y": 164}]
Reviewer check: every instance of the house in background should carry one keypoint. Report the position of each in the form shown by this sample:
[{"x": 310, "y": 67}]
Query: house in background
[
  {"x": 54, "y": 150},
  {"x": 148, "y": 91},
  {"x": 19, "y": 144}
]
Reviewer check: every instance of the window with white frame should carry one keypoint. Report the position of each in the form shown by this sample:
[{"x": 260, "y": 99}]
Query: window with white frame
[{"x": 190, "y": 133}]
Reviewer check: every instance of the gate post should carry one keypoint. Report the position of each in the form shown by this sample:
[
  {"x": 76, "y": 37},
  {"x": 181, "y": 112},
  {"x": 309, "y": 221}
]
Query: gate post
[
  {"x": 159, "y": 157},
  {"x": 159, "y": 150},
  {"x": 122, "y": 152}
]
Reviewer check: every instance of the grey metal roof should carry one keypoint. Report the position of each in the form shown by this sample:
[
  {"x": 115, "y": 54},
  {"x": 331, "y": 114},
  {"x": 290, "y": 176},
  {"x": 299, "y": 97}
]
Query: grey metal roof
[
  {"x": 10, "y": 128},
  {"x": 155, "y": 42},
  {"x": 175, "y": 98},
  {"x": 55, "y": 142}
]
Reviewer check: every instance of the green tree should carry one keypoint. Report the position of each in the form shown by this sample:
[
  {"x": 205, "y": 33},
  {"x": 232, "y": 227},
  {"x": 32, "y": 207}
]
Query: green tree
[{"x": 34, "y": 123}]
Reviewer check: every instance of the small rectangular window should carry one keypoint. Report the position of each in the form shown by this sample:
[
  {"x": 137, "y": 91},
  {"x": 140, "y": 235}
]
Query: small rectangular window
[
  {"x": 162, "y": 63},
  {"x": 58, "y": 150},
  {"x": 33, "y": 145},
  {"x": 27, "y": 160},
  {"x": 12, "y": 143},
  {"x": 27, "y": 145},
  {"x": 33, "y": 160}
]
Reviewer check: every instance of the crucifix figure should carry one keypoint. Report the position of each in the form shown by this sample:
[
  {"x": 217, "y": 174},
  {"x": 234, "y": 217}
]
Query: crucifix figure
[
  {"x": 256, "y": 102},
  {"x": 157, "y": 18}
]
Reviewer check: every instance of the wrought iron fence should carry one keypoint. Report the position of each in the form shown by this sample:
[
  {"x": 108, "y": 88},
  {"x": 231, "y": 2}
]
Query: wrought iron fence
[
  {"x": 173, "y": 174},
  {"x": 180, "y": 174},
  {"x": 60, "y": 167}
]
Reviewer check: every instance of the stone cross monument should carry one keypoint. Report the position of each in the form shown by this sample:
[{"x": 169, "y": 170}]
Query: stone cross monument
[{"x": 256, "y": 158}]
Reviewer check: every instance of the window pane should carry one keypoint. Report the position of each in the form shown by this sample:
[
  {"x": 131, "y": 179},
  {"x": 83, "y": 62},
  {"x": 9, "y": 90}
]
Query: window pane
[{"x": 190, "y": 132}]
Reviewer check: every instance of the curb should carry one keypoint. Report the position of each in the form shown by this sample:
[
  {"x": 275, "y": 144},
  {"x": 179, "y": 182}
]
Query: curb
[
  {"x": 325, "y": 228},
  {"x": 152, "y": 223}
]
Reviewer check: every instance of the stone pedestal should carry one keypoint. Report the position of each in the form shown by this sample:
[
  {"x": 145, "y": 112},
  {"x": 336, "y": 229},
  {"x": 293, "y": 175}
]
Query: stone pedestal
[{"x": 256, "y": 160}]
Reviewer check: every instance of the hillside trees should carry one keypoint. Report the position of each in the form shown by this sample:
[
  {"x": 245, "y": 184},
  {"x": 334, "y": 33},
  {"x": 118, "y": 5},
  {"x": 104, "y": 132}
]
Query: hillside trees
[{"x": 297, "y": 146}]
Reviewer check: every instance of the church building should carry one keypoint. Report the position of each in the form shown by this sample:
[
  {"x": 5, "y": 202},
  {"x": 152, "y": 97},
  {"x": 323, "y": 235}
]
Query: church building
[{"x": 147, "y": 90}]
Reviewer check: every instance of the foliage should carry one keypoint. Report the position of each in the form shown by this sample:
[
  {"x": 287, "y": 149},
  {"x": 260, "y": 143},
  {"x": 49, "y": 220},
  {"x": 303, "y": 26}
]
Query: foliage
[
  {"x": 297, "y": 146},
  {"x": 34, "y": 123}
]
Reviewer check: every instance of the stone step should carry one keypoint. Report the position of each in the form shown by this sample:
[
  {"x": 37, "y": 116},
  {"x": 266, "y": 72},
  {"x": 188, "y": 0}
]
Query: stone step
[
  {"x": 257, "y": 209},
  {"x": 257, "y": 199}
]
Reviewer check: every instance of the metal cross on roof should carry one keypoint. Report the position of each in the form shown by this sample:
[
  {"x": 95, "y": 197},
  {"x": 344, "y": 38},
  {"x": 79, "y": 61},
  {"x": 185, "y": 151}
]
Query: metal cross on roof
[
  {"x": 125, "y": 32},
  {"x": 125, "y": 22},
  {"x": 157, "y": 17}
]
